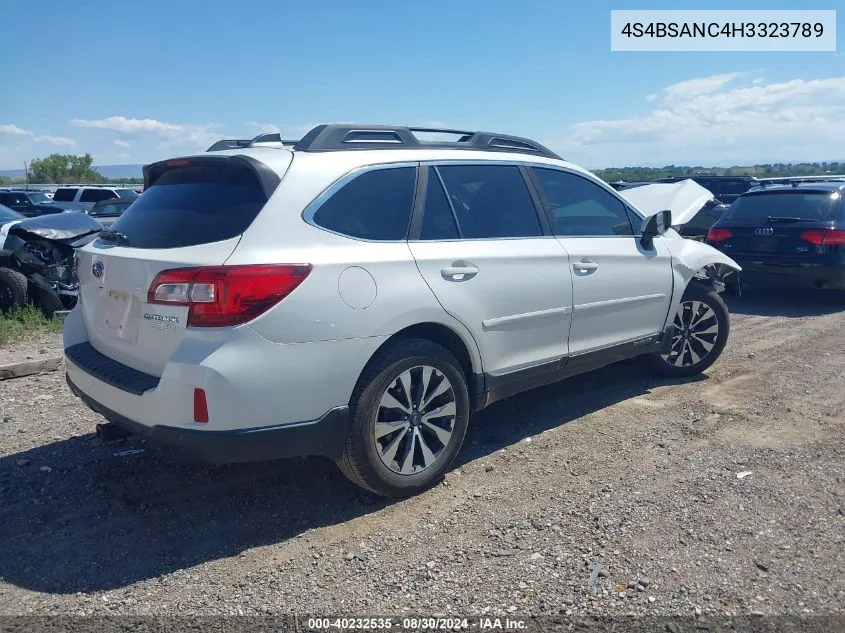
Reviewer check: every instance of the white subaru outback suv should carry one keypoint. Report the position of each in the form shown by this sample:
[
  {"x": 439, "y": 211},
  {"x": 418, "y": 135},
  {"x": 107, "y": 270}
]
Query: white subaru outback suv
[{"x": 359, "y": 293}]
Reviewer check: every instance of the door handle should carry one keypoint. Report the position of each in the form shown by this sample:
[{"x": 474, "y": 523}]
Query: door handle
[
  {"x": 459, "y": 271},
  {"x": 585, "y": 267}
]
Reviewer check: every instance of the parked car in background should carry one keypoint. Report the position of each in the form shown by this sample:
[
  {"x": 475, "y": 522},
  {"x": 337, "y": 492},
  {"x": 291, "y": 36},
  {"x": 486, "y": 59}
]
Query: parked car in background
[
  {"x": 725, "y": 188},
  {"x": 8, "y": 217},
  {"x": 694, "y": 208},
  {"x": 107, "y": 211},
  {"x": 29, "y": 203},
  {"x": 359, "y": 294},
  {"x": 83, "y": 198},
  {"x": 37, "y": 263},
  {"x": 791, "y": 234}
]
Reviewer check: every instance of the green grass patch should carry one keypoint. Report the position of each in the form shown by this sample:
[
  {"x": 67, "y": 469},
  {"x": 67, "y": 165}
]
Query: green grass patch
[{"x": 26, "y": 320}]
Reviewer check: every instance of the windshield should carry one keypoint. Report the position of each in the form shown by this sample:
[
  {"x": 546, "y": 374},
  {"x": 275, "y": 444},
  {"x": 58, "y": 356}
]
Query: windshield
[
  {"x": 7, "y": 215},
  {"x": 814, "y": 206},
  {"x": 112, "y": 208},
  {"x": 38, "y": 198}
]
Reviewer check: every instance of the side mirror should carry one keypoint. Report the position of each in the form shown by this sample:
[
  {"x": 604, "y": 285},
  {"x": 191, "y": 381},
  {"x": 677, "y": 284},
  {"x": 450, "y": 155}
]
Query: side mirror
[{"x": 655, "y": 225}]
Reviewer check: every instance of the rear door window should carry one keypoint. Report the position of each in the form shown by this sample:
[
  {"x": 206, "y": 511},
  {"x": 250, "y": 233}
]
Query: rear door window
[
  {"x": 64, "y": 194},
  {"x": 785, "y": 206},
  {"x": 490, "y": 201},
  {"x": 198, "y": 203},
  {"x": 375, "y": 205}
]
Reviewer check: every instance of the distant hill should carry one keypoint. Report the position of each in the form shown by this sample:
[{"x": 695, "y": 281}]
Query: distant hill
[{"x": 108, "y": 171}]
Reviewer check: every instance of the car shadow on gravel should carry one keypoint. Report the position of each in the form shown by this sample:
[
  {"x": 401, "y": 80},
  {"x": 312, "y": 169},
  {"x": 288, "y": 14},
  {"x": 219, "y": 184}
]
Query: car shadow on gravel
[
  {"x": 81, "y": 516},
  {"x": 785, "y": 302}
]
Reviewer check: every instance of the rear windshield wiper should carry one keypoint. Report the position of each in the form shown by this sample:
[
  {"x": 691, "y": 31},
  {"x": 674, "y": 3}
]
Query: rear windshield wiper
[
  {"x": 114, "y": 236},
  {"x": 776, "y": 219}
]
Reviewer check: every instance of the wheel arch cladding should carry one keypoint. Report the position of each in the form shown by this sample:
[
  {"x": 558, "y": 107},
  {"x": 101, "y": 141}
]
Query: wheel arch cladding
[{"x": 438, "y": 333}]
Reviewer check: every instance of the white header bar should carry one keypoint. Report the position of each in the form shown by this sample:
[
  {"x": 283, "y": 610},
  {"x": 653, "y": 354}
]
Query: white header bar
[{"x": 728, "y": 30}]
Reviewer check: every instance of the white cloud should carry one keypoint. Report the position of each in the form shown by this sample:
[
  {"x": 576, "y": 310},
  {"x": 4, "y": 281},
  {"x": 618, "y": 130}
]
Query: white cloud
[
  {"x": 652, "y": 97},
  {"x": 10, "y": 128},
  {"x": 264, "y": 128},
  {"x": 56, "y": 140},
  {"x": 719, "y": 119},
  {"x": 122, "y": 143},
  {"x": 122, "y": 124}
]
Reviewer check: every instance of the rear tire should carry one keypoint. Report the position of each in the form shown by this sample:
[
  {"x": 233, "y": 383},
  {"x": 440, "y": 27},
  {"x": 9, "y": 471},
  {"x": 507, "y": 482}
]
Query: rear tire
[
  {"x": 13, "y": 290},
  {"x": 702, "y": 325},
  {"x": 408, "y": 418}
]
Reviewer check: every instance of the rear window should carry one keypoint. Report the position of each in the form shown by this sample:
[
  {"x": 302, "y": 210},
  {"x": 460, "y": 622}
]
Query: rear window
[
  {"x": 64, "y": 195},
  {"x": 197, "y": 204},
  {"x": 96, "y": 195},
  {"x": 798, "y": 205}
]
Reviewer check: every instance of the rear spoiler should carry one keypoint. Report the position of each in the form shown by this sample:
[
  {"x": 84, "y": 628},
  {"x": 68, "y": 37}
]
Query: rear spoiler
[
  {"x": 272, "y": 139},
  {"x": 268, "y": 178}
]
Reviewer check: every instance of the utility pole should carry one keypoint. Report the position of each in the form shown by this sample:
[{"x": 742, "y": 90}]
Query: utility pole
[{"x": 26, "y": 174}]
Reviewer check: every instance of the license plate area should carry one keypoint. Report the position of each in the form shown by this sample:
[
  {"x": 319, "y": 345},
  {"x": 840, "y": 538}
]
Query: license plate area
[
  {"x": 764, "y": 244},
  {"x": 118, "y": 318}
]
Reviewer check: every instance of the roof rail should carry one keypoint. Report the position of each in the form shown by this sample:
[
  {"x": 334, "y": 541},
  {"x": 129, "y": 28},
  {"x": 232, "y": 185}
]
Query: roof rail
[
  {"x": 270, "y": 139},
  {"x": 229, "y": 143},
  {"x": 341, "y": 136}
]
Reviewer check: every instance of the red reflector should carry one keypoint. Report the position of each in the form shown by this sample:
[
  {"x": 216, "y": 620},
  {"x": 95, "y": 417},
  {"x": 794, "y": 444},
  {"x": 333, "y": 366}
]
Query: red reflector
[
  {"x": 824, "y": 236},
  {"x": 718, "y": 235},
  {"x": 220, "y": 296},
  {"x": 200, "y": 406},
  {"x": 178, "y": 162}
]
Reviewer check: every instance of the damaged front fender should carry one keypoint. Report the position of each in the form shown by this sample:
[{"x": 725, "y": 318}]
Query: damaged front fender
[{"x": 697, "y": 262}]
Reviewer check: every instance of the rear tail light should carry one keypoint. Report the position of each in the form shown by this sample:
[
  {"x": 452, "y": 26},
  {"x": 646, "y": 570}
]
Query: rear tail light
[
  {"x": 221, "y": 296},
  {"x": 718, "y": 235},
  {"x": 824, "y": 236}
]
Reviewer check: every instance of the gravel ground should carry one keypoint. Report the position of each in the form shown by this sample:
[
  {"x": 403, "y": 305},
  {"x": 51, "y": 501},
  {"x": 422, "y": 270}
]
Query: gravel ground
[
  {"x": 34, "y": 346},
  {"x": 611, "y": 493}
]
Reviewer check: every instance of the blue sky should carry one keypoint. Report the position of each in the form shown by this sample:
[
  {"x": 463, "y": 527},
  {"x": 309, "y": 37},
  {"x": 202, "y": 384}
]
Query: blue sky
[{"x": 170, "y": 77}]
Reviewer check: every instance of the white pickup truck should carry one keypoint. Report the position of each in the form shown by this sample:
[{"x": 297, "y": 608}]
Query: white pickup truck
[{"x": 85, "y": 197}]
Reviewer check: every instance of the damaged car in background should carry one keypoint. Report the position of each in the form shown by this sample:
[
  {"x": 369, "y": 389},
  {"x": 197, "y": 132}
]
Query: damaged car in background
[{"x": 37, "y": 260}]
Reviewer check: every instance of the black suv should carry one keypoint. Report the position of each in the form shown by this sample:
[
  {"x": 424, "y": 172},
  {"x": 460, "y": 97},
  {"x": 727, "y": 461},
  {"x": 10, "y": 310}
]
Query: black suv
[
  {"x": 787, "y": 234},
  {"x": 725, "y": 188},
  {"x": 28, "y": 203}
]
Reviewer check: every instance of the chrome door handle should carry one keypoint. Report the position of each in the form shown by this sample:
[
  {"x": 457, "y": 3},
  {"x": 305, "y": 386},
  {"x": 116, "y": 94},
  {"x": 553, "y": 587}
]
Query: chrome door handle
[
  {"x": 585, "y": 267},
  {"x": 459, "y": 271}
]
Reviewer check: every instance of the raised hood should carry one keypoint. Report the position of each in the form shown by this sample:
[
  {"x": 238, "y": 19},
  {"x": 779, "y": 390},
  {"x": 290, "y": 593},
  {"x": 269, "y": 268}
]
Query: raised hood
[{"x": 684, "y": 199}]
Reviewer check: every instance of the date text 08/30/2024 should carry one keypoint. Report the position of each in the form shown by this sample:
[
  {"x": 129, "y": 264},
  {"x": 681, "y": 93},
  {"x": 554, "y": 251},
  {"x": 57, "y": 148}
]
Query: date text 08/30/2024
[{"x": 416, "y": 624}]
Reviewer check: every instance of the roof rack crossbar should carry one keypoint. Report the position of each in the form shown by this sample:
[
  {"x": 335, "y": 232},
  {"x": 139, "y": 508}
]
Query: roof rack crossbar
[{"x": 324, "y": 138}]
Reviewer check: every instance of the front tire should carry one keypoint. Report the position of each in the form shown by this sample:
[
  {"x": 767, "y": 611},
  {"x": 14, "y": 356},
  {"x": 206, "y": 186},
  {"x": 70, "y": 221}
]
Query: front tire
[
  {"x": 13, "y": 290},
  {"x": 408, "y": 418},
  {"x": 701, "y": 328}
]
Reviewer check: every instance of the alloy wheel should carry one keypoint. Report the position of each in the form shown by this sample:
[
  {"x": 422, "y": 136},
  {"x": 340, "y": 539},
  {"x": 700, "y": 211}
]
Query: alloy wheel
[
  {"x": 696, "y": 332},
  {"x": 415, "y": 420}
]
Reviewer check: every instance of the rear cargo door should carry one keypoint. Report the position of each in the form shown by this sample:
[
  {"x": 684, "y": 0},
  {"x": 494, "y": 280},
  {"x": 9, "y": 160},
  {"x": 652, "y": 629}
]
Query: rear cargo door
[{"x": 192, "y": 213}]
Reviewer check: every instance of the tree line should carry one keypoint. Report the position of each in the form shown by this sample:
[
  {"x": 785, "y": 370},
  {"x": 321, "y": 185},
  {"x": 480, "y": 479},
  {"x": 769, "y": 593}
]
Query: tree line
[
  {"x": 64, "y": 168},
  {"x": 773, "y": 170}
]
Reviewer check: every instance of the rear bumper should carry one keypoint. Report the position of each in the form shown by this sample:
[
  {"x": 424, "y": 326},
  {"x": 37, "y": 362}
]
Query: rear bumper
[
  {"x": 322, "y": 437},
  {"x": 810, "y": 276}
]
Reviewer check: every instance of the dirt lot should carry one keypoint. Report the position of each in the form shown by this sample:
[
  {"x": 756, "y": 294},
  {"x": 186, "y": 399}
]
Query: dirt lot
[{"x": 613, "y": 469}]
